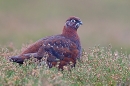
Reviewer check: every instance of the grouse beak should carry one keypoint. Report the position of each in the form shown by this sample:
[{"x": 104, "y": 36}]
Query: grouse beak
[{"x": 80, "y": 22}]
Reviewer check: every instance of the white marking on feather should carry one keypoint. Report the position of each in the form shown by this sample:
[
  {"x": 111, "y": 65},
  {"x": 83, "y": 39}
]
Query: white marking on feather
[
  {"x": 62, "y": 54},
  {"x": 77, "y": 25},
  {"x": 48, "y": 44}
]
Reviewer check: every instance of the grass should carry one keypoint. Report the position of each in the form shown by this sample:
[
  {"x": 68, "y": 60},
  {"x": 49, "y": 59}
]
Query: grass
[{"x": 99, "y": 66}]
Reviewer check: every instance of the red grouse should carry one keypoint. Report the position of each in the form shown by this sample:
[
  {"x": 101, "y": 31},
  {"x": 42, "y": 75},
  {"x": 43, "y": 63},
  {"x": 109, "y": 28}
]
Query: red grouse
[{"x": 63, "y": 48}]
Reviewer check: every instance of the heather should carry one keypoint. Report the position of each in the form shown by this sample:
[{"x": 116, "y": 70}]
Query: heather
[{"x": 98, "y": 66}]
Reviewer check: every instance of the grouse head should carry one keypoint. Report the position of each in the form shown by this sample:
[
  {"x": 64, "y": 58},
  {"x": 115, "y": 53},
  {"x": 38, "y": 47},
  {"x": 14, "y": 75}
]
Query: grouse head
[{"x": 73, "y": 22}]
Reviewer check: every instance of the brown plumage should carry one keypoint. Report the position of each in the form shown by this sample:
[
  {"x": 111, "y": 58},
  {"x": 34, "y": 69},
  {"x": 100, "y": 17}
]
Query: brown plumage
[{"x": 63, "y": 48}]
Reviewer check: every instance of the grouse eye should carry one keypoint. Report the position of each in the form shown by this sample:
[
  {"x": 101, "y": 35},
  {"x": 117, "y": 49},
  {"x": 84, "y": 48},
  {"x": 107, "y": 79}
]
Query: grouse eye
[{"x": 73, "y": 20}]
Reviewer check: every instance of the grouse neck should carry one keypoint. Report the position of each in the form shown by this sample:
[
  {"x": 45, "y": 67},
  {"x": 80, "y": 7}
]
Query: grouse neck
[{"x": 69, "y": 32}]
